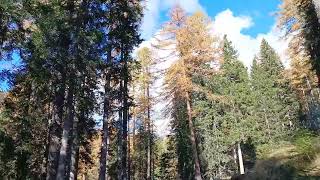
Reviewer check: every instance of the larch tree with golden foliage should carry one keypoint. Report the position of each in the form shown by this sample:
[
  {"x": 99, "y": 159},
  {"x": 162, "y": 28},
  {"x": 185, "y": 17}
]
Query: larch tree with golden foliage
[
  {"x": 193, "y": 45},
  {"x": 142, "y": 116},
  {"x": 300, "y": 19}
]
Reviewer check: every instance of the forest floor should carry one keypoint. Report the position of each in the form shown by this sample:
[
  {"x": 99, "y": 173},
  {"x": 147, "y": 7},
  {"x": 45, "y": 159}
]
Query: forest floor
[{"x": 288, "y": 162}]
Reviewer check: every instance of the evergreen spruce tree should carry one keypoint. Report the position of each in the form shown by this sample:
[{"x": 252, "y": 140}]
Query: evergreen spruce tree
[
  {"x": 224, "y": 122},
  {"x": 275, "y": 103}
]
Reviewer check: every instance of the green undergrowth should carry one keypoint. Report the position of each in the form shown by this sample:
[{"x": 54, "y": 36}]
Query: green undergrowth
[{"x": 298, "y": 159}]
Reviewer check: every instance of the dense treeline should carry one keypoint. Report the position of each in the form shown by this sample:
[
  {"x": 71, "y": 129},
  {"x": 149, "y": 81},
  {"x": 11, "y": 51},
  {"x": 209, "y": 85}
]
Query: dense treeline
[
  {"x": 71, "y": 52},
  {"x": 81, "y": 103}
]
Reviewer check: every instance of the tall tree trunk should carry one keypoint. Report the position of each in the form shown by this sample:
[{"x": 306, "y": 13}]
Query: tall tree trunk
[
  {"x": 72, "y": 172},
  {"x": 66, "y": 135},
  {"x": 235, "y": 155},
  {"x": 125, "y": 121},
  {"x": 134, "y": 142},
  {"x": 55, "y": 130},
  {"x": 192, "y": 137},
  {"x": 149, "y": 135},
  {"x": 106, "y": 106},
  {"x": 120, "y": 132},
  {"x": 311, "y": 14},
  {"x": 129, "y": 152},
  {"x": 241, "y": 167},
  {"x": 74, "y": 161},
  {"x": 152, "y": 154}
]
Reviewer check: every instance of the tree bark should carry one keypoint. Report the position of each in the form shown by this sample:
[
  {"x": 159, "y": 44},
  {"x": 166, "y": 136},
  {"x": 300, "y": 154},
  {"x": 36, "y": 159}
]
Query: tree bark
[
  {"x": 74, "y": 159},
  {"x": 66, "y": 135},
  {"x": 149, "y": 134},
  {"x": 55, "y": 130},
  {"x": 120, "y": 132},
  {"x": 74, "y": 162},
  {"x": 125, "y": 121},
  {"x": 129, "y": 152},
  {"x": 134, "y": 141},
  {"x": 106, "y": 106},
  {"x": 241, "y": 167},
  {"x": 193, "y": 140},
  {"x": 235, "y": 156}
]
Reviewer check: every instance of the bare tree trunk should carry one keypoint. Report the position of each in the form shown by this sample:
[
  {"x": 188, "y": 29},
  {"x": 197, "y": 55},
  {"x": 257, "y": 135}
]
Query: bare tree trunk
[
  {"x": 125, "y": 121},
  {"x": 193, "y": 140},
  {"x": 66, "y": 135},
  {"x": 241, "y": 167},
  {"x": 128, "y": 154},
  {"x": 152, "y": 154},
  {"x": 133, "y": 141},
  {"x": 73, "y": 168},
  {"x": 234, "y": 155},
  {"x": 120, "y": 132},
  {"x": 55, "y": 130},
  {"x": 149, "y": 135},
  {"x": 106, "y": 106},
  {"x": 74, "y": 162}
]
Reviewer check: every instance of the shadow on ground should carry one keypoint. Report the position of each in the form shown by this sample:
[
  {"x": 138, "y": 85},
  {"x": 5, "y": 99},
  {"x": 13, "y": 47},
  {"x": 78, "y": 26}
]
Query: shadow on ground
[{"x": 284, "y": 164}]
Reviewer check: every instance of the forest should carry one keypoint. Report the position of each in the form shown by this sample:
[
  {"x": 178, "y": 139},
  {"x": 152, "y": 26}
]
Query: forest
[{"x": 81, "y": 102}]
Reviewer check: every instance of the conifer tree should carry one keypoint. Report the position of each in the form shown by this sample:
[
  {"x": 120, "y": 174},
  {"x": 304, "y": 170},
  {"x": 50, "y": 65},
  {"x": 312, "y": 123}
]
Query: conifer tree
[
  {"x": 275, "y": 103},
  {"x": 224, "y": 122},
  {"x": 300, "y": 18},
  {"x": 143, "y": 109},
  {"x": 168, "y": 161},
  {"x": 194, "y": 48}
]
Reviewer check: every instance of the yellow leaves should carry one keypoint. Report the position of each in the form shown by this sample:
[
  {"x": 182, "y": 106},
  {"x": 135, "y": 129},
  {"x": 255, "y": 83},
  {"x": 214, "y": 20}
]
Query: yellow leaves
[
  {"x": 142, "y": 82},
  {"x": 291, "y": 19},
  {"x": 177, "y": 79},
  {"x": 194, "y": 48},
  {"x": 300, "y": 73},
  {"x": 194, "y": 42},
  {"x": 145, "y": 57},
  {"x": 296, "y": 27}
]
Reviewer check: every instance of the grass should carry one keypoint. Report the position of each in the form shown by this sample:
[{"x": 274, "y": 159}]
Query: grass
[{"x": 299, "y": 159}]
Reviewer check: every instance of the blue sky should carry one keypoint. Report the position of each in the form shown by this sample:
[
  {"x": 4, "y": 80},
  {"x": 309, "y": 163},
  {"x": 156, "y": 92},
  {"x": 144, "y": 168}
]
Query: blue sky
[
  {"x": 261, "y": 11},
  {"x": 245, "y": 22},
  {"x": 10, "y": 65}
]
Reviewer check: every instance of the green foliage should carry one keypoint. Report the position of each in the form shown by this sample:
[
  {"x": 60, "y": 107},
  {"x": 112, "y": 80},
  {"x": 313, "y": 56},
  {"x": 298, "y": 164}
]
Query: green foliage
[
  {"x": 307, "y": 143},
  {"x": 68, "y": 47},
  {"x": 224, "y": 122},
  {"x": 275, "y": 105},
  {"x": 168, "y": 160},
  {"x": 7, "y": 149}
]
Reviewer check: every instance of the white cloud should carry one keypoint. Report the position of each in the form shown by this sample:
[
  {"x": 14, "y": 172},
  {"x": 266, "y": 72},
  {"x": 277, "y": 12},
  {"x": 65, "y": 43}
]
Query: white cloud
[
  {"x": 248, "y": 46},
  {"x": 227, "y": 23},
  {"x": 153, "y": 8}
]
